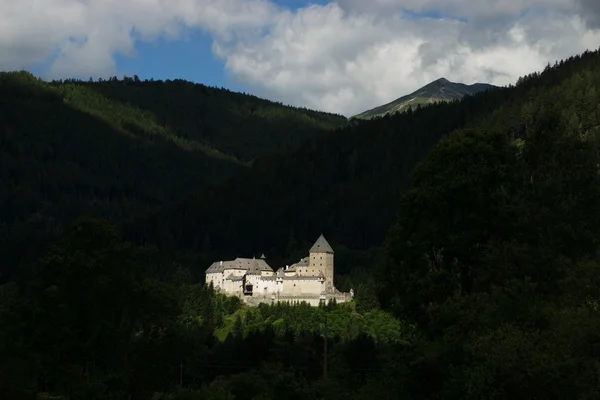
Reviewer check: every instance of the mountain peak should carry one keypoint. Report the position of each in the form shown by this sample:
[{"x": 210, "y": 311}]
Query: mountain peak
[
  {"x": 438, "y": 82},
  {"x": 439, "y": 90}
]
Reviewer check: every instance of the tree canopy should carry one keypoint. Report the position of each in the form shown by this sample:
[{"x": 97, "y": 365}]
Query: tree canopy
[{"x": 469, "y": 231}]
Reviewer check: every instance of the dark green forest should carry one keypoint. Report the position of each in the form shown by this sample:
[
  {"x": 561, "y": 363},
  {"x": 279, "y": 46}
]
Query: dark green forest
[
  {"x": 118, "y": 148},
  {"x": 470, "y": 232},
  {"x": 348, "y": 184}
]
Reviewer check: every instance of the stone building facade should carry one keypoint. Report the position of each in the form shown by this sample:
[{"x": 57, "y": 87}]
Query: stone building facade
[{"x": 309, "y": 280}]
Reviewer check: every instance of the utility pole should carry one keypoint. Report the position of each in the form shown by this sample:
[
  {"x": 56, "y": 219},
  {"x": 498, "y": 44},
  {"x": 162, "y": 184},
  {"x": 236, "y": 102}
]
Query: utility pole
[
  {"x": 325, "y": 350},
  {"x": 181, "y": 374}
]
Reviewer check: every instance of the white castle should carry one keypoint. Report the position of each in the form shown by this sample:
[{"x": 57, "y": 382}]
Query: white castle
[{"x": 254, "y": 281}]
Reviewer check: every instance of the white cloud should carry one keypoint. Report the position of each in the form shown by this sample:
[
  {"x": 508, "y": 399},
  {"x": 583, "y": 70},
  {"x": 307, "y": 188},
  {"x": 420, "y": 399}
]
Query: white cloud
[
  {"x": 468, "y": 9},
  {"x": 590, "y": 9},
  {"x": 353, "y": 55},
  {"x": 344, "y": 57},
  {"x": 85, "y": 35}
]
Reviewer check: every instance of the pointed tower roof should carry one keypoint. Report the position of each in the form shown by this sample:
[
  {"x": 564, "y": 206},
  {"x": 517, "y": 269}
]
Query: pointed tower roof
[{"x": 321, "y": 246}]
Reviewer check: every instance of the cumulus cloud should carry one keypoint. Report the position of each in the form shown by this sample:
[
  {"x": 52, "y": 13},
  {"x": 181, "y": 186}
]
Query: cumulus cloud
[
  {"x": 344, "y": 57},
  {"x": 466, "y": 9},
  {"x": 352, "y": 55},
  {"x": 83, "y": 36}
]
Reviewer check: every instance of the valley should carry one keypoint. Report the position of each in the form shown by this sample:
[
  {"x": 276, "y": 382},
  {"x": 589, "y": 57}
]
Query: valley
[{"x": 467, "y": 229}]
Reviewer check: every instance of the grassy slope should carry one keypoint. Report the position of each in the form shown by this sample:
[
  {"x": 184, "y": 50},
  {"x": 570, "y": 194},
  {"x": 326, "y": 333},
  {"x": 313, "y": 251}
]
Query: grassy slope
[
  {"x": 241, "y": 125},
  {"x": 343, "y": 321}
]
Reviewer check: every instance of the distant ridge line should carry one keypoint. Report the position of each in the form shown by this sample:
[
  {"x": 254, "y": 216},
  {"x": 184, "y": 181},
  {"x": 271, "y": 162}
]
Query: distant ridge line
[{"x": 440, "y": 90}]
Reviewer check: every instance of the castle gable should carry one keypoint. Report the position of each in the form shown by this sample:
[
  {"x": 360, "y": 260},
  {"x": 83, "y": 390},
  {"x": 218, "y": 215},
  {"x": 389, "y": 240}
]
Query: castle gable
[
  {"x": 221, "y": 266},
  {"x": 302, "y": 263},
  {"x": 234, "y": 278},
  {"x": 321, "y": 246}
]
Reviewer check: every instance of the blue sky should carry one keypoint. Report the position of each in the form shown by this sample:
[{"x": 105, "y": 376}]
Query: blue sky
[{"x": 189, "y": 57}]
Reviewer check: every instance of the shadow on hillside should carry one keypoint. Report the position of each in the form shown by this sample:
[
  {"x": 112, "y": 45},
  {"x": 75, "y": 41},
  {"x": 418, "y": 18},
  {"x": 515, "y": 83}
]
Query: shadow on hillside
[
  {"x": 58, "y": 163},
  {"x": 240, "y": 125}
]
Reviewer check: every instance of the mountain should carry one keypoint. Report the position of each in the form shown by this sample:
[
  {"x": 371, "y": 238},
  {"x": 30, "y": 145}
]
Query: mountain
[
  {"x": 71, "y": 149},
  {"x": 436, "y": 91},
  {"x": 472, "y": 228},
  {"x": 114, "y": 148}
]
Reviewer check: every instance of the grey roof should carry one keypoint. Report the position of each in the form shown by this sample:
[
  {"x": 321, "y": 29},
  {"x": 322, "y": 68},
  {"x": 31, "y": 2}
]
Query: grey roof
[
  {"x": 252, "y": 265},
  {"x": 234, "y": 278},
  {"x": 321, "y": 246},
  {"x": 302, "y": 263},
  {"x": 217, "y": 266},
  {"x": 254, "y": 268}
]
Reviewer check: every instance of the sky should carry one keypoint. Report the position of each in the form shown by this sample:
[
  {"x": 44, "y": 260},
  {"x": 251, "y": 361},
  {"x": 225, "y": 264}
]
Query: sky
[{"x": 342, "y": 56}]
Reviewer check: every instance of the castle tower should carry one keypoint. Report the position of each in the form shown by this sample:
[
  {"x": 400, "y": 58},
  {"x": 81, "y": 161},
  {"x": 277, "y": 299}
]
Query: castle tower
[{"x": 321, "y": 261}]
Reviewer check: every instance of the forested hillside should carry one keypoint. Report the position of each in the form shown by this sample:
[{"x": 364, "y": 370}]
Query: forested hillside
[
  {"x": 348, "y": 184},
  {"x": 494, "y": 253},
  {"x": 236, "y": 124},
  {"x": 119, "y": 147},
  {"x": 485, "y": 286},
  {"x": 96, "y": 322}
]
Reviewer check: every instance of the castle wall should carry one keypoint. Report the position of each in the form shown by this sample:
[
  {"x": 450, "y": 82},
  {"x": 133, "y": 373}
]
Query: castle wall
[
  {"x": 312, "y": 299},
  {"x": 253, "y": 280},
  {"x": 215, "y": 279},
  {"x": 329, "y": 285},
  {"x": 302, "y": 286},
  {"x": 316, "y": 264},
  {"x": 265, "y": 286},
  {"x": 234, "y": 272},
  {"x": 322, "y": 263},
  {"x": 233, "y": 287}
]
